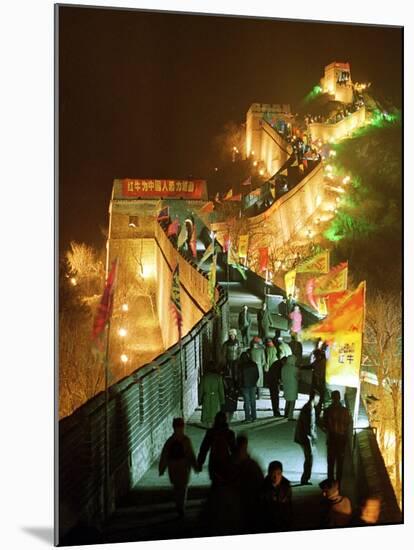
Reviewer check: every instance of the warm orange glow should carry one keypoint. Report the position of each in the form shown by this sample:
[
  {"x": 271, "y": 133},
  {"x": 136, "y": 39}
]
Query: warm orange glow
[
  {"x": 124, "y": 358},
  {"x": 122, "y": 332},
  {"x": 73, "y": 281},
  {"x": 124, "y": 307}
]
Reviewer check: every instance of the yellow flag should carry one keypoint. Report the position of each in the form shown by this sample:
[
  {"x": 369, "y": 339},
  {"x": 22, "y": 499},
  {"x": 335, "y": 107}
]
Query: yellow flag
[
  {"x": 343, "y": 364},
  {"x": 335, "y": 281},
  {"x": 290, "y": 278},
  {"x": 243, "y": 246},
  {"x": 315, "y": 264},
  {"x": 322, "y": 309}
]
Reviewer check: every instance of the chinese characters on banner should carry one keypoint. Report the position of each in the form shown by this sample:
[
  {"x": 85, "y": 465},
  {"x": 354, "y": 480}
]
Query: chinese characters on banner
[
  {"x": 149, "y": 188},
  {"x": 342, "y": 367},
  {"x": 316, "y": 264}
]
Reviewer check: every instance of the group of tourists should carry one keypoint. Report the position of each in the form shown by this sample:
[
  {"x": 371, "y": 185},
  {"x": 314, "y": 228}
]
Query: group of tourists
[{"x": 244, "y": 500}]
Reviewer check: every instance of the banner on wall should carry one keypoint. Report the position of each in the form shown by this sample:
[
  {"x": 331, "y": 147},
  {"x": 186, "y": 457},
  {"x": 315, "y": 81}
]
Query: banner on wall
[
  {"x": 343, "y": 364},
  {"x": 243, "y": 246},
  {"x": 315, "y": 264},
  {"x": 155, "y": 189},
  {"x": 290, "y": 278}
]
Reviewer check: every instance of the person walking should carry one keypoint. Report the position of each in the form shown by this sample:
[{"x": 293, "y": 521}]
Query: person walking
[
  {"x": 245, "y": 323},
  {"x": 231, "y": 393},
  {"x": 249, "y": 480},
  {"x": 231, "y": 353},
  {"x": 220, "y": 442},
  {"x": 264, "y": 320},
  {"x": 177, "y": 456},
  {"x": 290, "y": 385},
  {"x": 257, "y": 354},
  {"x": 306, "y": 436},
  {"x": 296, "y": 320},
  {"x": 248, "y": 377},
  {"x": 318, "y": 366},
  {"x": 210, "y": 394},
  {"x": 297, "y": 348},
  {"x": 276, "y": 499},
  {"x": 336, "y": 422},
  {"x": 273, "y": 383}
]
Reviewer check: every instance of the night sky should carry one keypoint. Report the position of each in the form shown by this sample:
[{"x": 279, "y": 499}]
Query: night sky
[{"x": 144, "y": 94}]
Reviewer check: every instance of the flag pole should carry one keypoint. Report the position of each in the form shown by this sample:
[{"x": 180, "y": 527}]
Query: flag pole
[
  {"x": 106, "y": 440},
  {"x": 358, "y": 392}
]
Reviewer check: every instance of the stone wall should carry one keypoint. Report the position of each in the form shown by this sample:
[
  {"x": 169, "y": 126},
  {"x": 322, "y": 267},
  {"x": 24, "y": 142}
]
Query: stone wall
[{"x": 333, "y": 132}]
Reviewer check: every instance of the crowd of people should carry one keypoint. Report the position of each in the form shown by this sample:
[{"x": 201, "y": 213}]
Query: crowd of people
[{"x": 242, "y": 499}]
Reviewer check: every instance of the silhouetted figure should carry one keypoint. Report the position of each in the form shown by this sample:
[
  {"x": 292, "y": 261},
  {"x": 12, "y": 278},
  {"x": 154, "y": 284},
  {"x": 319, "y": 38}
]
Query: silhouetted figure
[
  {"x": 264, "y": 320},
  {"x": 276, "y": 499},
  {"x": 210, "y": 394},
  {"x": 231, "y": 393},
  {"x": 297, "y": 348},
  {"x": 336, "y": 510},
  {"x": 290, "y": 303},
  {"x": 273, "y": 382},
  {"x": 336, "y": 422},
  {"x": 221, "y": 443},
  {"x": 289, "y": 375},
  {"x": 318, "y": 366},
  {"x": 178, "y": 457},
  {"x": 248, "y": 479},
  {"x": 248, "y": 377},
  {"x": 231, "y": 353},
  {"x": 245, "y": 323},
  {"x": 305, "y": 434},
  {"x": 257, "y": 354}
]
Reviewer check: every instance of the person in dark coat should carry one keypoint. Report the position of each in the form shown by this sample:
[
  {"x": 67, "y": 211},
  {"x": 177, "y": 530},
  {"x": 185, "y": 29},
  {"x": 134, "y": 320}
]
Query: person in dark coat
[
  {"x": 210, "y": 394},
  {"x": 290, "y": 303},
  {"x": 220, "y": 441},
  {"x": 178, "y": 457},
  {"x": 306, "y": 436},
  {"x": 264, "y": 320},
  {"x": 231, "y": 353},
  {"x": 273, "y": 382},
  {"x": 245, "y": 323},
  {"x": 289, "y": 375},
  {"x": 318, "y": 366},
  {"x": 248, "y": 377},
  {"x": 297, "y": 348},
  {"x": 336, "y": 509},
  {"x": 336, "y": 422},
  {"x": 231, "y": 393},
  {"x": 249, "y": 480},
  {"x": 276, "y": 499}
]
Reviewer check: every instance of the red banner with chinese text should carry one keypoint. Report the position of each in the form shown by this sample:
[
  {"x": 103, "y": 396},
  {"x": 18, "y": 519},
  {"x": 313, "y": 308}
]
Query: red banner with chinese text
[{"x": 149, "y": 188}]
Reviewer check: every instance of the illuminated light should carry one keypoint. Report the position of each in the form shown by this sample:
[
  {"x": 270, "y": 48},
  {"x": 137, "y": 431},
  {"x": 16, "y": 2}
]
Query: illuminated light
[
  {"x": 255, "y": 163},
  {"x": 124, "y": 358},
  {"x": 330, "y": 176},
  {"x": 318, "y": 200},
  {"x": 234, "y": 148},
  {"x": 73, "y": 281},
  {"x": 336, "y": 211},
  {"x": 124, "y": 307},
  {"x": 329, "y": 167},
  {"x": 147, "y": 271},
  {"x": 216, "y": 169},
  {"x": 346, "y": 180},
  {"x": 332, "y": 153},
  {"x": 252, "y": 153},
  {"x": 261, "y": 171},
  {"x": 122, "y": 332}
]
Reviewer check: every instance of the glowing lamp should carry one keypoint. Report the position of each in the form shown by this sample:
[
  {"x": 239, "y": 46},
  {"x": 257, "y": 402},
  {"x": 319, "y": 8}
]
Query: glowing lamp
[
  {"x": 124, "y": 358},
  {"x": 255, "y": 163},
  {"x": 122, "y": 332},
  {"x": 124, "y": 307},
  {"x": 346, "y": 180},
  {"x": 261, "y": 171},
  {"x": 73, "y": 281}
]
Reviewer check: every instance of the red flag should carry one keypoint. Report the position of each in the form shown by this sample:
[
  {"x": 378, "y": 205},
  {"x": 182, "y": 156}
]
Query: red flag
[
  {"x": 263, "y": 258},
  {"x": 208, "y": 207},
  {"x": 335, "y": 299},
  {"x": 227, "y": 242},
  {"x": 173, "y": 228},
  {"x": 193, "y": 242},
  {"x": 104, "y": 311}
]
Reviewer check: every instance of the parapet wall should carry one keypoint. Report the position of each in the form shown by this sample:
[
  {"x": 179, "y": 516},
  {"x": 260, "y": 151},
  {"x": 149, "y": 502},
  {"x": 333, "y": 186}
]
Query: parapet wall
[{"x": 333, "y": 132}]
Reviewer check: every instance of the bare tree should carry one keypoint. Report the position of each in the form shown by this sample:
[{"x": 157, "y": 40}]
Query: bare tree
[{"x": 382, "y": 352}]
